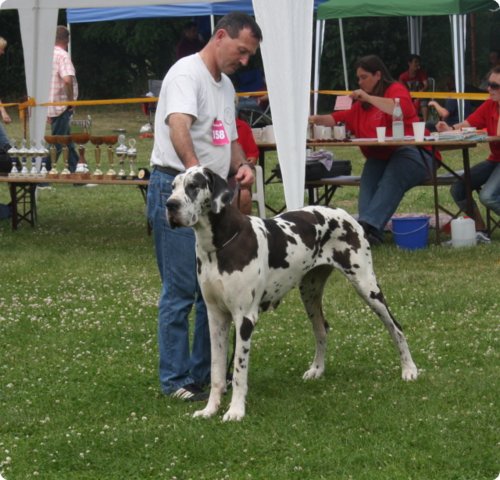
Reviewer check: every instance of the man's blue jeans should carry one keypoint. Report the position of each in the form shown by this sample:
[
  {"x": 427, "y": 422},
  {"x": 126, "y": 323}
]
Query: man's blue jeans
[
  {"x": 486, "y": 177},
  {"x": 384, "y": 183},
  {"x": 176, "y": 259},
  {"x": 61, "y": 126},
  {"x": 4, "y": 139}
]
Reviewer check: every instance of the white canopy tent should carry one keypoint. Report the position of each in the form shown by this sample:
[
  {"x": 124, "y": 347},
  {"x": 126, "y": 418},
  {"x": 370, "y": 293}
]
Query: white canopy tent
[{"x": 285, "y": 50}]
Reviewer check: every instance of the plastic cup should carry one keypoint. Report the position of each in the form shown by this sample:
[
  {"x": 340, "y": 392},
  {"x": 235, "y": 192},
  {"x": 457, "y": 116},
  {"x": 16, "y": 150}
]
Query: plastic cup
[
  {"x": 419, "y": 131},
  {"x": 339, "y": 132},
  {"x": 380, "y": 134}
]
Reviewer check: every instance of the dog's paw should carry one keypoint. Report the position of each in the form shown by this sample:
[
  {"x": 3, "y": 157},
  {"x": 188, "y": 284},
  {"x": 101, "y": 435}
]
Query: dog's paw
[
  {"x": 313, "y": 373},
  {"x": 234, "y": 415},
  {"x": 409, "y": 373},
  {"x": 205, "y": 413}
]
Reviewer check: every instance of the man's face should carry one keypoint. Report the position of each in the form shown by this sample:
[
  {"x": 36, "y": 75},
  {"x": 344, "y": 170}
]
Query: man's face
[
  {"x": 414, "y": 65},
  {"x": 233, "y": 53}
]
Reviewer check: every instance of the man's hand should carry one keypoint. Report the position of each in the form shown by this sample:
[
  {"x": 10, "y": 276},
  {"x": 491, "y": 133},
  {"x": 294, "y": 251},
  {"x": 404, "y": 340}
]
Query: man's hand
[{"x": 245, "y": 176}]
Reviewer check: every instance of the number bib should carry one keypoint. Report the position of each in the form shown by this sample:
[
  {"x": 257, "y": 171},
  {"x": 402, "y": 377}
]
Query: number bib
[{"x": 219, "y": 135}]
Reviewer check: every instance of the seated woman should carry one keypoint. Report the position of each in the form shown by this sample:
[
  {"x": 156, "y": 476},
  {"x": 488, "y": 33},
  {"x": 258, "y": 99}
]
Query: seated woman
[
  {"x": 486, "y": 174},
  {"x": 389, "y": 172}
]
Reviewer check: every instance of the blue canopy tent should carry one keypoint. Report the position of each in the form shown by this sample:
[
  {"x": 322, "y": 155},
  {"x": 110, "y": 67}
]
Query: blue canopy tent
[{"x": 82, "y": 15}]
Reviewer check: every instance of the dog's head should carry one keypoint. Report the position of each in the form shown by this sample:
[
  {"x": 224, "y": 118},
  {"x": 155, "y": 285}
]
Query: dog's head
[{"x": 196, "y": 192}]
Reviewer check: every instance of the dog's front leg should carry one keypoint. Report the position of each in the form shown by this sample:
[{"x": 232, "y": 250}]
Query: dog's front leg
[
  {"x": 244, "y": 328},
  {"x": 219, "y": 324}
]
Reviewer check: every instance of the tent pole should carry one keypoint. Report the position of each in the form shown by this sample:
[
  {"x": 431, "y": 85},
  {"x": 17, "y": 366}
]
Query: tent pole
[
  {"x": 344, "y": 61},
  {"x": 318, "y": 50}
]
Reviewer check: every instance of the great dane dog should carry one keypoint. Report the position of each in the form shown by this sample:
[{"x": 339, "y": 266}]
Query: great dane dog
[{"x": 247, "y": 264}]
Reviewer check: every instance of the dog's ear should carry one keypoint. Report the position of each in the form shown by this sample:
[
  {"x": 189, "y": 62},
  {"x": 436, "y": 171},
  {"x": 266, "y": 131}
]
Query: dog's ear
[{"x": 221, "y": 194}]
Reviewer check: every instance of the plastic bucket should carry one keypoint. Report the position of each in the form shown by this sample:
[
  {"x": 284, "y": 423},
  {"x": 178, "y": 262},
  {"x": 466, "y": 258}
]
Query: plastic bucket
[{"x": 410, "y": 233}]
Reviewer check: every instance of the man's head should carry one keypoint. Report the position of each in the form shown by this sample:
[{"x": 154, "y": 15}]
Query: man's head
[
  {"x": 235, "y": 39},
  {"x": 3, "y": 45},
  {"x": 62, "y": 36},
  {"x": 414, "y": 62},
  {"x": 494, "y": 58}
]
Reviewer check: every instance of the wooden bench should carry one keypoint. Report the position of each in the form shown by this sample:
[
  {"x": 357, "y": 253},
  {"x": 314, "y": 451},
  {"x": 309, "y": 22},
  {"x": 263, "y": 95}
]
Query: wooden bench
[{"x": 322, "y": 192}]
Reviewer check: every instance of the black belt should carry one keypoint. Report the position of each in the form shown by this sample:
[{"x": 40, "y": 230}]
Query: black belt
[{"x": 167, "y": 170}]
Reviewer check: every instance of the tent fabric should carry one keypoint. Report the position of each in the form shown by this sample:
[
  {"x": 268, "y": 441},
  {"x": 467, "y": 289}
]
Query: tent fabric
[
  {"x": 83, "y": 15},
  {"x": 388, "y": 8},
  {"x": 288, "y": 79}
]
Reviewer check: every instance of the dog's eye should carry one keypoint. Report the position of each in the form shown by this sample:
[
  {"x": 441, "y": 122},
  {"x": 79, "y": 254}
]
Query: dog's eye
[{"x": 192, "y": 191}]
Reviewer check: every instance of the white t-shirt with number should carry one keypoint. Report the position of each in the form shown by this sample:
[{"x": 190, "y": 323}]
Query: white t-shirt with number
[{"x": 190, "y": 88}]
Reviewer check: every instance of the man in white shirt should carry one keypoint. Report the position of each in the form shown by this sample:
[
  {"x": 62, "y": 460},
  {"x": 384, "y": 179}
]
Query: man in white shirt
[{"x": 194, "y": 125}]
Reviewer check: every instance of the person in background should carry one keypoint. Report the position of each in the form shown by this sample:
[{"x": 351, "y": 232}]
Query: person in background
[
  {"x": 494, "y": 61},
  {"x": 449, "y": 112},
  {"x": 389, "y": 172},
  {"x": 190, "y": 42},
  {"x": 416, "y": 80},
  {"x": 243, "y": 197},
  {"x": 63, "y": 88},
  {"x": 194, "y": 125},
  {"x": 484, "y": 176},
  {"x": 4, "y": 139}
]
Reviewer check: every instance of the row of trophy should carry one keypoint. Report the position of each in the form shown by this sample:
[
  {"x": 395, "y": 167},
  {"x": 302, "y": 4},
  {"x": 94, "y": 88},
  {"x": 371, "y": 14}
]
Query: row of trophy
[{"x": 24, "y": 159}]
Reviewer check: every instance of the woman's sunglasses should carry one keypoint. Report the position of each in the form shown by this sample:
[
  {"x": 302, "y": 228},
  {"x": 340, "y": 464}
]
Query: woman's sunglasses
[{"x": 493, "y": 85}]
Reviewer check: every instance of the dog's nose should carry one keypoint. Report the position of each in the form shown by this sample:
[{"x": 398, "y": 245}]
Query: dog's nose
[{"x": 172, "y": 205}]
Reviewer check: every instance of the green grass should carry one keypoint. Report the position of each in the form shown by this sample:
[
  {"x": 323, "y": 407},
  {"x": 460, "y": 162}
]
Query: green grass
[{"x": 79, "y": 396}]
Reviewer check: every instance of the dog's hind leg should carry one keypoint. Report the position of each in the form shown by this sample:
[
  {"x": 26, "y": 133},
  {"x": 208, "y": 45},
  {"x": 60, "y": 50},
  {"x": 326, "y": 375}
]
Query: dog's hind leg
[
  {"x": 366, "y": 285},
  {"x": 311, "y": 291},
  {"x": 219, "y": 323}
]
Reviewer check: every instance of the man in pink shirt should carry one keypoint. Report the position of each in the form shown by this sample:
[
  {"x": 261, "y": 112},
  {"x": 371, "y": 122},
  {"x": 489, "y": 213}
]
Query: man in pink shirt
[{"x": 63, "y": 88}]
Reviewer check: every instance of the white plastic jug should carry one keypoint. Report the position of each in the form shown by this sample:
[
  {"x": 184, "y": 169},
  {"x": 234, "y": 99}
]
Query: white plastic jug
[{"x": 463, "y": 232}]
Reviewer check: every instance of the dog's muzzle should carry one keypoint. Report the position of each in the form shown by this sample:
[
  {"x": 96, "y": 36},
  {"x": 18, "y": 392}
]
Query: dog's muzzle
[{"x": 173, "y": 207}]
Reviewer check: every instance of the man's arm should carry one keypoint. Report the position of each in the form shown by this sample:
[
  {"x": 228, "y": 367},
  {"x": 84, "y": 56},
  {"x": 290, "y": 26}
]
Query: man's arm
[
  {"x": 180, "y": 124},
  {"x": 68, "y": 88}
]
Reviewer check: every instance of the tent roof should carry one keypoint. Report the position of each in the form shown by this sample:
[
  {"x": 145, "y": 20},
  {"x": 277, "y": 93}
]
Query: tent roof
[
  {"x": 82, "y": 15},
  {"x": 388, "y": 8}
]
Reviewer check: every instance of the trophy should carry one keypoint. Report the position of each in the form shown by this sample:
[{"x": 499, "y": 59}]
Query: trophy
[
  {"x": 23, "y": 153},
  {"x": 52, "y": 140},
  {"x": 32, "y": 154},
  {"x": 43, "y": 153},
  {"x": 81, "y": 139},
  {"x": 65, "y": 140},
  {"x": 13, "y": 152},
  {"x": 97, "y": 141},
  {"x": 110, "y": 140},
  {"x": 132, "y": 155},
  {"x": 121, "y": 153}
]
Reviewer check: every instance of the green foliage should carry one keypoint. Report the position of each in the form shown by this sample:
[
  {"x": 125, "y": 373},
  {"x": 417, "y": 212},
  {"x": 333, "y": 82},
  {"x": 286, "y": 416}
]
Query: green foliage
[{"x": 131, "y": 51}]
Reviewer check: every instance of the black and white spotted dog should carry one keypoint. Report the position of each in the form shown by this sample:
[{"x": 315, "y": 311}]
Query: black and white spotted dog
[{"x": 247, "y": 264}]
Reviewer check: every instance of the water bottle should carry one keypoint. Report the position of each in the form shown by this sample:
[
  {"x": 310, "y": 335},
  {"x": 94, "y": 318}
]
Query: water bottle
[{"x": 398, "y": 129}]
